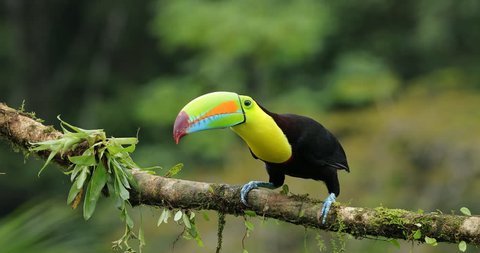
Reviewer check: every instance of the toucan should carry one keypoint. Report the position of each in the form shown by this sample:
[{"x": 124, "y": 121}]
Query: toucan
[{"x": 289, "y": 144}]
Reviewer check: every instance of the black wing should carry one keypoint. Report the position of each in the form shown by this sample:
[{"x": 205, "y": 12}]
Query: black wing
[
  {"x": 313, "y": 141},
  {"x": 326, "y": 148}
]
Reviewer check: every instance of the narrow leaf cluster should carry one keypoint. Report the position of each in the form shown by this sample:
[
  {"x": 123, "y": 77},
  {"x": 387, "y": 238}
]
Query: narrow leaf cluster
[
  {"x": 185, "y": 218},
  {"x": 104, "y": 166}
]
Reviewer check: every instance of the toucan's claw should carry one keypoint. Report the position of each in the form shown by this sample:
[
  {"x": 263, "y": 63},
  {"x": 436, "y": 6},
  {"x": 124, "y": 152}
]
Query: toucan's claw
[
  {"x": 326, "y": 206},
  {"x": 246, "y": 188}
]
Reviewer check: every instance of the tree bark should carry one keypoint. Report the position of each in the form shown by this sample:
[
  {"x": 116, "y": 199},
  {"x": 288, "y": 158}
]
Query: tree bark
[{"x": 21, "y": 129}]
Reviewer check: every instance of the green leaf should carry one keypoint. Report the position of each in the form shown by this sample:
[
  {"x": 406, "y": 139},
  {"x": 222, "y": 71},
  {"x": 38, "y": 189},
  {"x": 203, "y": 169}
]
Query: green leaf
[
  {"x": 174, "y": 170},
  {"x": 466, "y": 211},
  {"x": 163, "y": 217},
  {"x": 87, "y": 208},
  {"x": 193, "y": 233},
  {"x": 186, "y": 221},
  {"x": 126, "y": 141},
  {"x": 250, "y": 213},
  {"x": 178, "y": 215},
  {"x": 50, "y": 157},
  {"x": 85, "y": 160},
  {"x": 120, "y": 174},
  {"x": 44, "y": 145},
  {"x": 130, "y": 148},
  {"x": 77, "y": 129},
  {"x": 192, "y": 215},
  {"x": 417, "y": 235},
  {"x": 249, "y": 225},
  {"x": 63, "y": 124},
  {"x": 120, "y": 189},
  {"x": 462, "y": 246},
  {"x": 152, "y": 168},
  {"x": 101, "y": 152},
  {"x": 95, "y": 186},
  {"x": 124, "y": 180},
  {"x": 244, "y": 251},
  {"x": 129, "y": 180},
  {"x": 74, "y": 172},
  {"x": 126, "y": 218},
  {"x": 74, "y": 190},
  {"x": 129, "y": 221},
  {"x": 82, "y": 177},
  {"x": 114, "y": 149},
  {"x": 70, "y": 142},
  {"x": 431, "y": 241}
]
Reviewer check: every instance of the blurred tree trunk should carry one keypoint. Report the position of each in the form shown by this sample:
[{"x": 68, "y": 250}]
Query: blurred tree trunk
[
  {"x": 88, "y": 45},
  {"x": 21, "y": 129}
]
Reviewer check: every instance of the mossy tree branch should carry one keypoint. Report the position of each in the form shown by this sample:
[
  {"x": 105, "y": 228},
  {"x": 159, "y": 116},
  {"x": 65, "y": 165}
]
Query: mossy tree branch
[{"x": 21, "y": 129}]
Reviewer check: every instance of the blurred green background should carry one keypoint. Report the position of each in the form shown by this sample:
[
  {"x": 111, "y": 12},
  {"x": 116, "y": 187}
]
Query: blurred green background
[{"x": 397, "y": 81}]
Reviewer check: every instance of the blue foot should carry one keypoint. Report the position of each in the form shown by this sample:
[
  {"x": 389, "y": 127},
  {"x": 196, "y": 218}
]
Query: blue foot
[
  {"x": 326, "y": 206},
  {"x": 253, "y": 185}
]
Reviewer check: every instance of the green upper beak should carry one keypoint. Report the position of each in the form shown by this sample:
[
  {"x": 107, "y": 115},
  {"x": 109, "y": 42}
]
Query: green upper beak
[{"x": 210, "y": 111}]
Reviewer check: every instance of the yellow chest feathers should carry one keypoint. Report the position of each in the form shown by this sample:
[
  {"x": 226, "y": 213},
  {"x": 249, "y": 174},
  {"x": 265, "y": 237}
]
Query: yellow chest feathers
[{"x": 264, "y": 137}]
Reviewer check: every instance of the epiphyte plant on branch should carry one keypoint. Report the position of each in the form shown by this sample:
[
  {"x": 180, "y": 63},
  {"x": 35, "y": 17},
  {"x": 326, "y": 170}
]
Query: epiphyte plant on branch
[
  {"x": 104, "y": 165},
  {"x": 289, "y": 144}
]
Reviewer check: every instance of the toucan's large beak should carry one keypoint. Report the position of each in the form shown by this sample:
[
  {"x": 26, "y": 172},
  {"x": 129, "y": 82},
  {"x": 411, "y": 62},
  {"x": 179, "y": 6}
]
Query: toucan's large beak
[{"x": 210, "y": 111}]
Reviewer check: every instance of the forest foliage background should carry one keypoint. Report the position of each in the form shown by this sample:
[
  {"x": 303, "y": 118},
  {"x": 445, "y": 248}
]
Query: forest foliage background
[{"x": 397, "y": 81}]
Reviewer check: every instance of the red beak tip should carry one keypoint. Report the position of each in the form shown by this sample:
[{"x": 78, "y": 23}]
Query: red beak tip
[
  {"x": 176, "y": 138},
  {"x": 180, "y": 126}
]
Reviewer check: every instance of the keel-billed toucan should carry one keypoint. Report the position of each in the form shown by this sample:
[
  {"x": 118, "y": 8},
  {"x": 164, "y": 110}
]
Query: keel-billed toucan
[{"x": 289, "y": 144}]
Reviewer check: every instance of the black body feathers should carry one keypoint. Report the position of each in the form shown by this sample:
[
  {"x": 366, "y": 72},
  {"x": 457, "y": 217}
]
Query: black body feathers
[{"x": 316, "y": 152}]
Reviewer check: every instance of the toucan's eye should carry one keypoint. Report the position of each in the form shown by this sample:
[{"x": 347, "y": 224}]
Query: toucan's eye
[{"x": 247, "y": 103}]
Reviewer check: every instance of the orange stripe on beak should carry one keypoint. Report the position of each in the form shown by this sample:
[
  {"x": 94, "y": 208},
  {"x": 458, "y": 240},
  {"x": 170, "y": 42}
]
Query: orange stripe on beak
[{"x": 223, "y": 108}]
